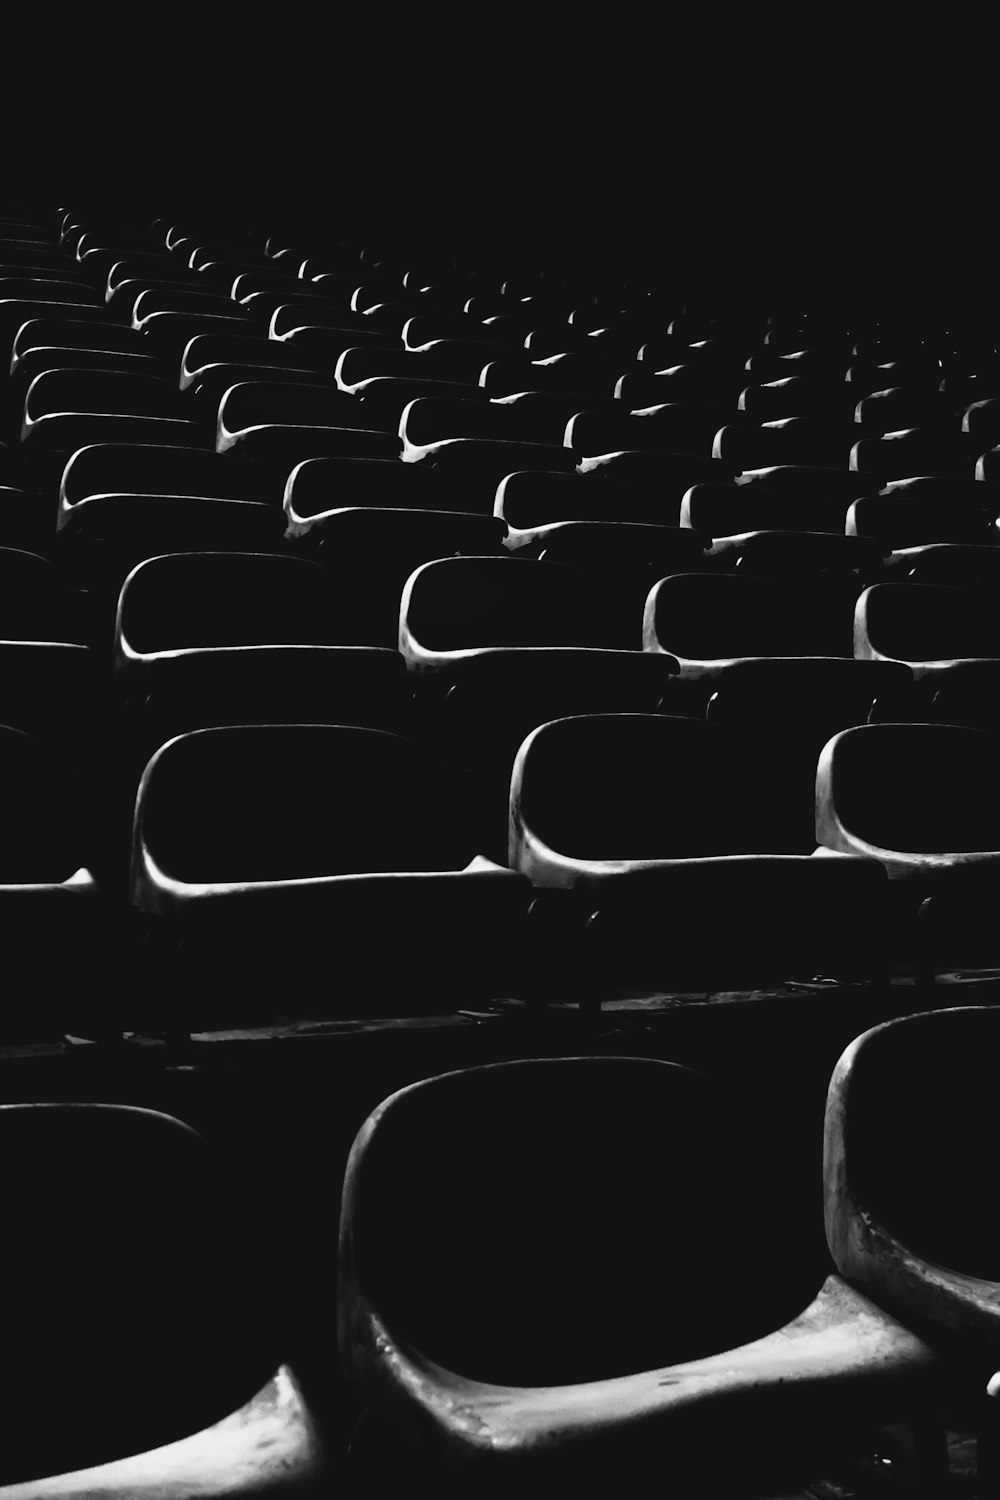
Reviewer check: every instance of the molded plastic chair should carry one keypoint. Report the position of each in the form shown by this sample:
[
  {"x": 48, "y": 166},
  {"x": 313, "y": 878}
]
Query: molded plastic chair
[
  {"x": 926, "y": 626},
  {"x": 190, "y": 600},
  {"x": 319, "y": 486},
  {"x": 249, "y": 405},
  {"x": 790, "y": 553},
  {"x": 916, "y": 450},
  {"x": 457, "y": 606},
  {"x": 674, "y": 428},
  {"x": 707, "y": 622},
  {"x": 947, "y": 563},
  {"x": 921, "y": 511},
  {"x": 610, "y": 1345},
  {"x": 530, "y": 503},
  {"x": 372, "y": 863},
  {"x": 907, "y": 1154},
  {"x": 921, "y": 798},
  {"x": 732, "y": 510},
  {"x": 368, "y": 555},
  {"x": 144, "y": 1394}
]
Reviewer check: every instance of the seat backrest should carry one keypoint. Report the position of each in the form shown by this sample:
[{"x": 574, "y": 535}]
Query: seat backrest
[
  {"x": 195, "y": 599},
  {"x": 916, "y": 788},
  {"x": 908, "y": 1145},
  {"x": 925, "y": 623},
  {"x": 138, "y": 468},
  {"x": 214, "y": 807},
  {"x": 558, "y": 1152},
  {"x": 707, "y": 618}
]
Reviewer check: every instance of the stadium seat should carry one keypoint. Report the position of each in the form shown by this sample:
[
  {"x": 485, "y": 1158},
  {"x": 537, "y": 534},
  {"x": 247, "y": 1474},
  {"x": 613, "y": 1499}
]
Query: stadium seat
[
  {"x": 494, "y": 699},
  {"x": 177, "y": 1390},
  {"x": 148, "y": 469},
  {"x": 907, "y": 1131},
  {"x": 457, "y": 606},
  {"x": 919, "y": 797},
  {"x": 624, "y": 1355},
  {"x": 485, "y": 461},
  {"x": 674, "y": 428},
  {"x": 914, "y": 451},
  {"x": 375, "y": 865},
  {"x": 707, "y": 622},
  {"x": 797, "y": 396},
  {"x": 926, "y": 626},
  {"x": 190, "y": 600},
  {"x": 786, "y": 553},
  {"x": 531, "y": 502},
  {"x": 945, "y": 563},
  {"x": 252, "y": 404},
  {"x": 923, "y": 510},
  {"x": 317, "y": 486},
  {"x": 358, "y": 364}
]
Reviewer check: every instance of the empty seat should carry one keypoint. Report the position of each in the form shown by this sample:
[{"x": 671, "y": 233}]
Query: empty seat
[
  {"x": 485, "y": 461},
  {"x": 732, "y": 509},
  {"x": 185, "y": 601},
  {"x": 379, "y": 846},
  {"x": 140, "y": 1391},
  {"x": 250, "y": 405},
  {"x": 946, "y": 563},
  {"x": 920, "y": 511},
  {"x": 317, "y": 486},
  {"x": 427, "y": 421},
  {"x": 530, "y": 503},
  {"x": 496, "y": 698},
  {"x": 790, "y": 440},
  {"x": 900, "y": 407},
  {"x": 454, "y": 607},
  {"x": 921, "y": 798},
  {"x": 93, "y": 390},
  {"x": 206, "y": 351},
  {"x": 148, "y": 469},
  {"x": 71, "y": 333},
  {"x": 569, "y": 372},
  {"x": 55, "y": 920},
  {"x": 674, "y": 428},
  {"x": 926, "y": 626},
  {"x": 708, "y": 621},
  {"x": 520, "y": 1386},
  {"x": 916, "y": 450},
  {"x": 797, "y": 396}
]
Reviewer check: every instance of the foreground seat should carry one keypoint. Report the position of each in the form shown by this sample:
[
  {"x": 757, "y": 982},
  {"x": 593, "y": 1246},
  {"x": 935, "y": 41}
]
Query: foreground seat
[
  {"x": 907, "y": 1151},
  {"x": 144, "y": 1394},
  {"x": 611, "y": 1344}
]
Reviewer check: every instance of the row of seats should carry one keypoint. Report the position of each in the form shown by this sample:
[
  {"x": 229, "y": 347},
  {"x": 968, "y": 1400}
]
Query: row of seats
[{"x": 522, "y": 1299}]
